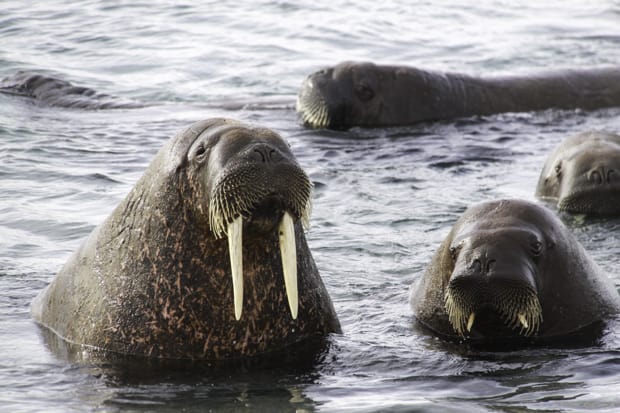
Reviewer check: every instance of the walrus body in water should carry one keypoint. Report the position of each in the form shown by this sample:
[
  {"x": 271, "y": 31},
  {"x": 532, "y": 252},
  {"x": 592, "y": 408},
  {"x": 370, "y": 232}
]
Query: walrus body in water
[
  {"x": 205, "y": 258},
  {"x": 582, "y": 175},
  {"x": 510, "y": 272},
  {"x": 368, "y": 95},
  {"x": 52, "y": 91}
]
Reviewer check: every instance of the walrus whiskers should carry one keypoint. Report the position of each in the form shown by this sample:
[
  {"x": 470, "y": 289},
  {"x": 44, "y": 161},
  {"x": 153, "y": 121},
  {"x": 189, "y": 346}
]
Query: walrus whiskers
[
  {"x": 460, "y": 312},
  {"x": 519, "y": 309},
  {"x": 228, "y": 209},
  {"x": 313, "y": 109}
]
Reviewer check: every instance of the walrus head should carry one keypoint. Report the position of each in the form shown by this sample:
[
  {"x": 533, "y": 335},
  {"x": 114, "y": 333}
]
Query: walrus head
[
  {"x": 368, "y": 95},
  {"x": 248, "y": 182},
  {"x": 492, "y": 290},
  {"x": 585, "y": 177},
  {"x": 341, "y": 96}
]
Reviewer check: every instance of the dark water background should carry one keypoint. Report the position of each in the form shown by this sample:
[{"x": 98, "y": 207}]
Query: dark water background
[{"x": 384, "y": 198}]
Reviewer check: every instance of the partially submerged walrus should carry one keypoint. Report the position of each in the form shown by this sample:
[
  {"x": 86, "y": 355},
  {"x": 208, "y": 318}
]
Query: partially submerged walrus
[
  {"x": 205, "y": 258},
  {"x": 583, "y": 174},
  {"x": 53, "y": 91},
  {"x": 368, "y": 95},
  {"x": 508, "y": 272}
]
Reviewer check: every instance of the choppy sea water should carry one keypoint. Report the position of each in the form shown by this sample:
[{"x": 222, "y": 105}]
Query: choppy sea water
[{"x": 384, "y": 198}]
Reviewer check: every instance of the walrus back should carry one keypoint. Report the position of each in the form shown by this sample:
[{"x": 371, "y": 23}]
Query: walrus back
[{"x": 53, "y": 91}]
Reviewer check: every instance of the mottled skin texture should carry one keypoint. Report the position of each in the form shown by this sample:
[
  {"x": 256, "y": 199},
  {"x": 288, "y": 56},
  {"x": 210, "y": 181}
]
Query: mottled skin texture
[
  {"x": 152, "y": 280},
  {"x": 582, "y": 175},
  {"x": 51, "y": 91},
  {"x": 526, "y": 246},
  {"x": 369, "y": 95}
]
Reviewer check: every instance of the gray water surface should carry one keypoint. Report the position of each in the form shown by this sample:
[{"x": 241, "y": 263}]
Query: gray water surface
[{"x": 384, "y": 198}]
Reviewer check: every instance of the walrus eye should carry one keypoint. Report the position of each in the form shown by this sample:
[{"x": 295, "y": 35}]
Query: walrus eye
[
  {"x": 364, "y": 91},
  {"x": 200, "y": 152},
  {"x": 558, "y": 169},
  {"x": 537, "y": 248},
  {"x": 453, "y": 253}
]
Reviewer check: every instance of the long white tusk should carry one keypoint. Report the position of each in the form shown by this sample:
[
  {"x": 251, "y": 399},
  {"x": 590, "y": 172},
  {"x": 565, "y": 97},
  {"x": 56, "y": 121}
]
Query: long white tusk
[
  {"x": 288, "y": 251},
  {"x": 470, "y": 321},
  {"x": 235, "y": 250}
]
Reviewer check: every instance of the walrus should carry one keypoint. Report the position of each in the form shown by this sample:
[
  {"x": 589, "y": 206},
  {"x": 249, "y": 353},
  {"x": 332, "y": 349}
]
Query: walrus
[
  {"x": 368, "y": 95},
  {"x": 582, "y": 175},
  {"x": 205, "y": 258},
  {"x": 509, "y": 272},
  {"x": 52, "y": 91}
]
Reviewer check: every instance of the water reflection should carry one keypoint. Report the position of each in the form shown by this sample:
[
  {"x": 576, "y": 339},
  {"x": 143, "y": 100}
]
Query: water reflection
[{"x": 275, "y": 382}]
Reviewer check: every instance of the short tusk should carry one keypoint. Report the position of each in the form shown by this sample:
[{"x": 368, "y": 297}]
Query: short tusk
[
  {"x": 235, "y": 250},
  {"x": 288, "y": 252},
  {"x": 523, "y": 321},
  {"x": 470, "y": 321}
]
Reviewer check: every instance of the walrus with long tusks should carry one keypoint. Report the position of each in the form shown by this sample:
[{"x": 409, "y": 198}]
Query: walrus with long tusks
[
  {"x": 368, "y": 95},
  {"x": 510, "y": 272},
  {"x": 582, "y": 175},
  {"x": 205, "y": 258}
]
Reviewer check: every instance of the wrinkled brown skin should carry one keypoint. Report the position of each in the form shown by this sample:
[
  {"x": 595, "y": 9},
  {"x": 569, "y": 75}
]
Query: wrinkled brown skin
[
  {"x": 582, "y": 175},
  {"x": 51, "y": 91},
  {"x": 369, "y": 95},
  {"x": 573, "y": 292},
  {"x": 153, "y": 281}
]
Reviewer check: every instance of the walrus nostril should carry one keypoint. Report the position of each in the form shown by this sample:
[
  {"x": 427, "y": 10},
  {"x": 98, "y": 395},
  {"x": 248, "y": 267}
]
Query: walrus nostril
[
  {"x": 490, "y": 265},
  {"x": 266, "y": 155},
  {"x": 483, "y": 265},
  {"x": 260, "y": 155},
  {"x": 596, "y": 177}
]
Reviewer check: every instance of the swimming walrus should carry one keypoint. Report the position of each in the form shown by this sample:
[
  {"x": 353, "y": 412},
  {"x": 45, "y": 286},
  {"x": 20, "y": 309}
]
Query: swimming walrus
[
  {"x": 582, "y": 175},
  {"x": 205, "y": 258},
  {"x": 368, "y": 95},
  {"x": 52, "y": 91},
  {"x": 510, "y": 272}
]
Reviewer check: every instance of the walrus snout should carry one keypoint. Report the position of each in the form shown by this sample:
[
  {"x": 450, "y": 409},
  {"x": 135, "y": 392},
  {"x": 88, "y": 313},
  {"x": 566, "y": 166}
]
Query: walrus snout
[
  {"x": 321, "y": 101},
  {"x": 312, "y": 105},
  {"x": 494, "y": 285},
  {"x": 265, "y": 217},
  {"x": 253, "y": 190},
  {"x": 265, "y": 153},
  {"x": 596, "y": 190},
  {"x": 489, "y": 306},
  {"x": 603, "y": 175},
  {"x": 259, "y": 191},
  {"x": 583, "y": 174}
]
